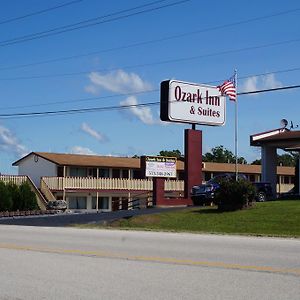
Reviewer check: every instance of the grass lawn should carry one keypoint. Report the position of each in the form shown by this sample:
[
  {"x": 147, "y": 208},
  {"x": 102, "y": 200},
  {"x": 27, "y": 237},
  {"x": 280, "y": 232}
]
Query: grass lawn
[{"x": 278, "y": 218}]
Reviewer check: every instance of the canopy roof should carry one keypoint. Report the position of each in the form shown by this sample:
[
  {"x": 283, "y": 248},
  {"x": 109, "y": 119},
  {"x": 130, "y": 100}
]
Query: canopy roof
[{"x": 281, "y": 138}]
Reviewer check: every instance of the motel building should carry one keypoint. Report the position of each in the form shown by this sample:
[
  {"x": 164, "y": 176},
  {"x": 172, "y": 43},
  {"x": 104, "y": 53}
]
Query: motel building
[{"x": 106, "y": 183}]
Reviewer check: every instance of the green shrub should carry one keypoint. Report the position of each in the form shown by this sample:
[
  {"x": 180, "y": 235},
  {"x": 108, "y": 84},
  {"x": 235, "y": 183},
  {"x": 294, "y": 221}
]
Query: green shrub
[
  {"x": 5, "y": 198},
  {"x": 27, "y": 200},
  {"x": 15, "y": 195},
  {"x": 234, "y": 195}
]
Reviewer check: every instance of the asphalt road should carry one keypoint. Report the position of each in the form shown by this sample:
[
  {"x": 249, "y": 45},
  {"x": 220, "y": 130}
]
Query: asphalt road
[{"x": 71, "y": 263}]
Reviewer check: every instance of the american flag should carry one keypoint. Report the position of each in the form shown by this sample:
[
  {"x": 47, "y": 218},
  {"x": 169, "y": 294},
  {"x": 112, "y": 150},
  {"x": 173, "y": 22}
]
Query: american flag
[{"x": 228, "y": 89}]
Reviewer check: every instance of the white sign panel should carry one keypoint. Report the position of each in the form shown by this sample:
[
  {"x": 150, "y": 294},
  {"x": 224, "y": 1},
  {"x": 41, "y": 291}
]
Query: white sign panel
[
  {"x": 192, "y": 103},
  {"x": 158, "y": 166}
]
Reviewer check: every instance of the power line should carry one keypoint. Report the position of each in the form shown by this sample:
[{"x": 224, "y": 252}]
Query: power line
[
  {"x": 162, "y": 62},
  {"x": 271, "y": 90},
  {"x": 71, "y": 27},
  {"x": 120, "y": 107},
  {"x": 83, "y": 99},
  {"x": 142, "y": 43},
  {"x": 39, "y": 12},
  {"x": 142, "y": 92}
]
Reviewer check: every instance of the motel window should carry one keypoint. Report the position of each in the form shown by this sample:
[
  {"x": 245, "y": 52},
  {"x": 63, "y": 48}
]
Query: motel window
[
  {"x": 103, "y": 173},
  {"x": 92, "y": 172},
  {"x": 60, "y": 171},
  {"x": 77, "y": 202},
  {"x": 137, "y": 174},
  {"x": 286, "y": 179},
  {"x": 251, "y": 177},
  {"x": 180, "y": 175},
  {"x": 78, "y": 172},
  {"x": 116, "y": 173},
  {"x": 94, "y": 202},
  {"x": 103, "y": 203},
  {"x": 207, "y": 176},
  {"x": 125, "y": 173}
]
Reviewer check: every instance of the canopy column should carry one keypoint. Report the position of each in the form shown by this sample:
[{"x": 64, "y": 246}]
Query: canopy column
[{"x": 269, "y": 166}]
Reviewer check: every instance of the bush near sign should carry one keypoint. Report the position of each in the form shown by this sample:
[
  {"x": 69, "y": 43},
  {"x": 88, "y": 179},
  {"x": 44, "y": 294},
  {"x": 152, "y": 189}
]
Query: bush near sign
[{"x": 159, "y": 166}]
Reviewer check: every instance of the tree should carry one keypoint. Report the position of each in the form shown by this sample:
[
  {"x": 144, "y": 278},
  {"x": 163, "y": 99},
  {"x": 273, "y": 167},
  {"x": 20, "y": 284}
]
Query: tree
[
  {"x": 222, "y": 155},
  {"x": 173, "y": 153},
  {"x": 5, "y": 198},
  {"x": 15, "y": 195},
  {"x": 287, "y": 159},
  {"x": 256, "y": 162},
  {"x": 27, "y": 197}
]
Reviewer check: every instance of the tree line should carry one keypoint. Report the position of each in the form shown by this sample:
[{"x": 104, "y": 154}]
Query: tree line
[{"x": 220, "y": 154}]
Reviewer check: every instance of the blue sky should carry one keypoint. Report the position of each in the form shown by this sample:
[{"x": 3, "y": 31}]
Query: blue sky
[{"x": 204, "y": 41}]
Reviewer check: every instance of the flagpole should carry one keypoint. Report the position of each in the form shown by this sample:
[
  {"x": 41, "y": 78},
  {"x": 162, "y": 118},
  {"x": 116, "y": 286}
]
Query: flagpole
[{"x": 236, "y": 128}]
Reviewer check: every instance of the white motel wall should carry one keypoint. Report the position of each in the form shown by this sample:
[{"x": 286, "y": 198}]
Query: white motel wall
[{"x": 36, "y": 167}]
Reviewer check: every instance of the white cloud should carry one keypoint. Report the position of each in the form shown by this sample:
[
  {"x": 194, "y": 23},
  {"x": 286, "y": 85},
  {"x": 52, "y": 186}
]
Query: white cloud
[
  {"x": 117, "y": 81},
  {"x": 92, "y": 89},
  {"x": 82, "y": 150},
  {"x": 270, "y": 82},
  {"x": 10, "y": 143},
  {"x": 142, "y": 113},
  {"x": 260, "y": 83},
  {"x": 93, "y": 133}
]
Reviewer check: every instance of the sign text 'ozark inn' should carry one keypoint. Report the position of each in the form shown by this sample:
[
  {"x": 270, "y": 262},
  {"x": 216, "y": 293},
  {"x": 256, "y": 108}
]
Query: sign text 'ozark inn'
[{"x": 192, "y": 103}]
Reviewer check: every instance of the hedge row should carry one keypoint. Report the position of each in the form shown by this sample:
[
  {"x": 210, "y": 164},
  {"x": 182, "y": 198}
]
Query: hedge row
[{"x": 13, "y": 197}]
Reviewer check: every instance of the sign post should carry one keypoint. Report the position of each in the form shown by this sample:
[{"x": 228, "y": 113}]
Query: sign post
[{"x": 191, "y": 103}]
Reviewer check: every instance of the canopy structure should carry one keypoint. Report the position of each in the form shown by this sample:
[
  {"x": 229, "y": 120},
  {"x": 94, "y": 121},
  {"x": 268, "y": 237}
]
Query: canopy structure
[{"x": 269, "y": 142}]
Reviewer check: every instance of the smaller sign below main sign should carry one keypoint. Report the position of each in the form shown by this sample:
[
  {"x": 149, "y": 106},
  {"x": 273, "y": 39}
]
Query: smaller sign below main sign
[
  {"x": 159, "y": 166},
  {"x": 186, "y": 102}
]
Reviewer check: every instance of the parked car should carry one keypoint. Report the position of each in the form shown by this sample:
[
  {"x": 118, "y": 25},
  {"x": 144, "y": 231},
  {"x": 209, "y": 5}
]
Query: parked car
[
  {"x": 57, "y": 205},
  {"x": 205, "y": 193},
  {"x": 263, "y": 191}
]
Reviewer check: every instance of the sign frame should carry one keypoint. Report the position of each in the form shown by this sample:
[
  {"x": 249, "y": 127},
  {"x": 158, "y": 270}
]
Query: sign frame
[
  {"x": 161, "y": 166},
  {"x": 205, "y": 99}
]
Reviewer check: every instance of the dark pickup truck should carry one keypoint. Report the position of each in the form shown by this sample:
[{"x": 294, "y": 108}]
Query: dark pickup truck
[{"x": 205, "y": 193}]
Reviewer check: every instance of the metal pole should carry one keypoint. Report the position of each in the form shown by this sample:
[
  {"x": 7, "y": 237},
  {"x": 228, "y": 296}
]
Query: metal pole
[{"x": 236, "y": 128}]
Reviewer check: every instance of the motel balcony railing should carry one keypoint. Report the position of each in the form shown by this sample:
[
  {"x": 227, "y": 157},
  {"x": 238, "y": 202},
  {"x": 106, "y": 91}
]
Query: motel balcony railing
[
  {"x": 87, "y": 183},
  {"x": 15, "y": 179}
]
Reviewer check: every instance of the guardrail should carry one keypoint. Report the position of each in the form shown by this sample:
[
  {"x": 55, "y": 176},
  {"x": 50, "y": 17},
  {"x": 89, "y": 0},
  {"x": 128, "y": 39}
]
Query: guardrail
[{"x": 46, "y": 191}]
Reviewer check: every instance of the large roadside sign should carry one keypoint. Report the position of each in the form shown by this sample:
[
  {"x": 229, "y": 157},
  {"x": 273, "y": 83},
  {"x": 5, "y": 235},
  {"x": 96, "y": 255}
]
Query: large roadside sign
[
  {"x": 160, "y": 166},
  {"x": 186, "y": 102}
]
